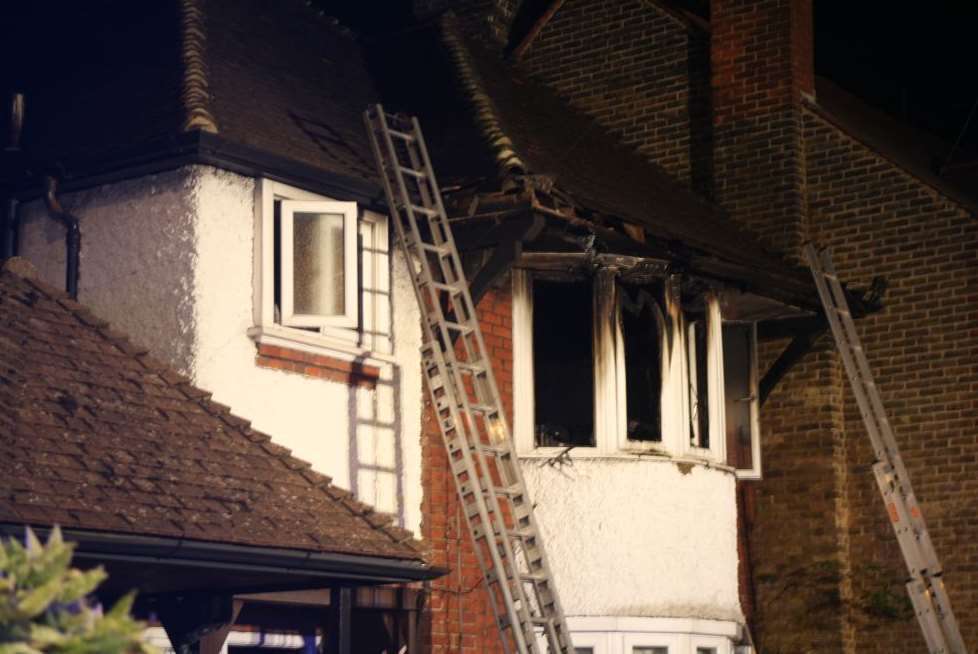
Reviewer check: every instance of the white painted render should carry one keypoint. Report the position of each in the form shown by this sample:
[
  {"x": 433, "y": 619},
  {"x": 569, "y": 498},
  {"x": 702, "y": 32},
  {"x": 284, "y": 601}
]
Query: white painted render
[
  {"x": 639, "y": 536},
  {"x": 168, "y": 259}
]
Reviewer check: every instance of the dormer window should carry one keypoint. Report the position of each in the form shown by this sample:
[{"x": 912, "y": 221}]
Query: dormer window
[{"x": 322, "y": 274}]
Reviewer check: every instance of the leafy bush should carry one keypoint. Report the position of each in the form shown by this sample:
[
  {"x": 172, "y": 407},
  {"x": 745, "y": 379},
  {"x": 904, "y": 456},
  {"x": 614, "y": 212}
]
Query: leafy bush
[{"x": 44, "y": 605}]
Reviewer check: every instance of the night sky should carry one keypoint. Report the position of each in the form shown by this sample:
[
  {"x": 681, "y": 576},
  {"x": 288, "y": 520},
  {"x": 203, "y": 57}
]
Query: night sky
[{"x": 915, "y": 61}]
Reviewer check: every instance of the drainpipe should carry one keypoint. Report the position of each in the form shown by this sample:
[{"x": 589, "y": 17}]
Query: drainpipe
[
  {"x": 8, "y": 204},
  {"x": 72, "y": 233}
]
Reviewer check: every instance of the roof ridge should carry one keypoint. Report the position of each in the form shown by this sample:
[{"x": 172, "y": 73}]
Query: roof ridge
[
  {"x": 194, "y": 85},
  {"x": 376, "y": 520},
  {"x": 508, "y": 161}
]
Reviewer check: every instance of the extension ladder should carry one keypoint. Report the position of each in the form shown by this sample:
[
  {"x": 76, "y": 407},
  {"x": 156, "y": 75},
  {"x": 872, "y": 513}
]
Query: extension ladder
[
  {"x": 463, "y": 391},
  {"x": 926, "y": 587}
]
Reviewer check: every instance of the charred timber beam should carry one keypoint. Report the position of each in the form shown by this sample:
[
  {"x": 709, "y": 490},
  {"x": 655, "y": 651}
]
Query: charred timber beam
[
  {"x": 475, "y": 234},
  {"x": 796, "y": 350},
  {"x": 509, "y": 248}
]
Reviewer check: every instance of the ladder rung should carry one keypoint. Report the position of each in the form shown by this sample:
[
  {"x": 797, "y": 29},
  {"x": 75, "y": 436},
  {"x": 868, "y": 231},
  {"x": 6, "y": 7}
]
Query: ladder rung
[
  {"x": 404, "y": 136},
  {"x": 439, "y": 249},
  {"x": 417, "y": 174},
  {"x": 431, "y": 213},
  {"x": 455, "y": 326},
  {"x": 485, "y": 409}
]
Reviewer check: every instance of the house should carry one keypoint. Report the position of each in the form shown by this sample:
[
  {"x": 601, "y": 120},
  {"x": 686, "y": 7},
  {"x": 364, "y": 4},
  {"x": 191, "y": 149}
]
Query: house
[{"x": 630, "y": 186}]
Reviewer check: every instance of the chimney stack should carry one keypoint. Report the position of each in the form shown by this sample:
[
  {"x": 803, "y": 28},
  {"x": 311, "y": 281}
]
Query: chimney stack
[{"x": 761, "y": 61}]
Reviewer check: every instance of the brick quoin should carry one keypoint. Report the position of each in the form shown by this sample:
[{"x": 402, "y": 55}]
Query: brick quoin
[{"x": 458, "y": 617}]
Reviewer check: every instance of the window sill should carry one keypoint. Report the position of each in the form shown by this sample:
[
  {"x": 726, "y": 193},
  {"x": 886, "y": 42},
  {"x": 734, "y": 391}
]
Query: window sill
[
  {"x": 297, "y": 346},
  {"x": 658, "y": 456}
]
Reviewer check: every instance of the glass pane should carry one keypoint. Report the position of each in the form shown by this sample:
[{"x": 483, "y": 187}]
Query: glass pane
[
  {"x": 563, "y": 366},
  {"x": 642, "y": 333},
  {"x": 318, "y": 278},
  {"x": 583, "y": 650},
  {"x": 706, "y": 650},
  {"x": 737, "y": 358},
  {"x": 650, "y": 650},
  {"x": 699, "y": 386}
]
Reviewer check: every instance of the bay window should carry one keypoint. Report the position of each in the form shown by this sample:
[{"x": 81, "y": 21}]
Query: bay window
[{"x": 606, "y": 363}]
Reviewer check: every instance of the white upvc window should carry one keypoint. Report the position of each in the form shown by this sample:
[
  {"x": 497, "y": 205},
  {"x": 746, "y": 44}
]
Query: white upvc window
[
  {"x": 318, "y": 263},
  {"x": 321, "y": 273}
]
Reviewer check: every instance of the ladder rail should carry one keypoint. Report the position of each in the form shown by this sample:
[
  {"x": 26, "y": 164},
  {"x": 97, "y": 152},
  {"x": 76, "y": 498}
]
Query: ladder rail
[
  {"x": 926, "y": 586},
  {"x": 432, "y": 342},
  {"x": 513, "y": 470},
  {"x": 527, "y": 601}
]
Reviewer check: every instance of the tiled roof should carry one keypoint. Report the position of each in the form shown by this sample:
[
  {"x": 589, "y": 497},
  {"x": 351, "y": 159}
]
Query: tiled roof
[{"x": 97, "y": 435}]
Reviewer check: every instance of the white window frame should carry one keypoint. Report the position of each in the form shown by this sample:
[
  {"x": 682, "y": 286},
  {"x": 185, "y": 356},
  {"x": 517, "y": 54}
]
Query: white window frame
[
  {"x": 351, "y": 278},
  {"x": 755, "y": 471},
  {"x": 717, "y": 451},
  {"x": 369, "y": 339},
  {"x": 610, "y": 399}
]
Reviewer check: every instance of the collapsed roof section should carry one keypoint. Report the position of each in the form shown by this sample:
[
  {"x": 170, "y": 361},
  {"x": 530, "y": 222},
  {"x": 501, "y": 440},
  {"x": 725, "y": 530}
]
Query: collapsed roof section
[
  {"x": 95, "y": 435},
  {"x": 566, "y": 166}
]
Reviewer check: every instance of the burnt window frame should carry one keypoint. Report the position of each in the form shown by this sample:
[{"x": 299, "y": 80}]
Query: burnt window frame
[
  {"x": 713, "y": 322},
  {"x": 755, "y": 472}
]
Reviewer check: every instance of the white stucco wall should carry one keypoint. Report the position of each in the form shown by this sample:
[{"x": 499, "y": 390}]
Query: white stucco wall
[
  {"x": 629, "y": 536},
  {"x": 138, "y": 258},
  {"x": 168, "y": 259}
]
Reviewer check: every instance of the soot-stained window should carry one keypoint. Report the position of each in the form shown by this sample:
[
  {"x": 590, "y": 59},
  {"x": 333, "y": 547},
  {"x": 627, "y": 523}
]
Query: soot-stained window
[
  {"x": 738, "y": 393},
  {"x": 642, "y": 331},
  {"x": 563, "y": 321},
  {"x": 699, "y": 396}
]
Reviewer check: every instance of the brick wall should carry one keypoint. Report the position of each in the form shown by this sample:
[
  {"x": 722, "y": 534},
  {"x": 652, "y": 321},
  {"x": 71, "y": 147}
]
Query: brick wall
[
  {"x": 639, "y": 71},
  {"x": 459, "y": 618},
  {"x": 761, "y": 65},
  {"x": 799, "y": 557},
  {"x": 880, "y": 220}
]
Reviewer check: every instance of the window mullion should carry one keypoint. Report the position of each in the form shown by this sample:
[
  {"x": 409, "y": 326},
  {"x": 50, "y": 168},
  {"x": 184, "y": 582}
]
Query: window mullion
[{"x": 606, "y": 409}]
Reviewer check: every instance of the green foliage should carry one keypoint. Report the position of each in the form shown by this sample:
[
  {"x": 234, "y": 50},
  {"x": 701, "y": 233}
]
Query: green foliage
[{"x": 43, "y": 605}]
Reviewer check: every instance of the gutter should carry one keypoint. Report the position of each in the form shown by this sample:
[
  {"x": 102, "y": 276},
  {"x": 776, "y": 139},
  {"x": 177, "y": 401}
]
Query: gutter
[
  {"x": 181, "y": 552},
  {"x": 207, "y": 149}
]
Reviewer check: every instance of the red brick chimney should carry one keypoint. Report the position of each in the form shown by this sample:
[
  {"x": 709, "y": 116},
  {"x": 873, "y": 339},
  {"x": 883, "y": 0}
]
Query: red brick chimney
[{"x": 761, "y": 60}]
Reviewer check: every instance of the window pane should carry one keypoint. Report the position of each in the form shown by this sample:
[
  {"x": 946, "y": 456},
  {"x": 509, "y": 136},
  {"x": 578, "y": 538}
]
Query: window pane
[
  {"x": 699, "y": 386},
  {"x": 563, "y": 367},
  {"x": 642, "y": 333},
  {"x": 583, "y": 650},
  {"x": 650, "y": 650},
  {"x": 318, "y": 266},
  {"x": 737, "y": 359},
  {"x": 706, "y": 650}
]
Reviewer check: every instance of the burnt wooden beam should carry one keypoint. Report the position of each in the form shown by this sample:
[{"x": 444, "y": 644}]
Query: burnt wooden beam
[
  {"x": 476, "y": 234},
  {"x": 508, "y": 238},
  {"x": 796, "y": 350}
]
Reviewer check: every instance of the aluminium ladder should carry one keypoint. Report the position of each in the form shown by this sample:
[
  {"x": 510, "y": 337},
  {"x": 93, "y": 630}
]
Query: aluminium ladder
[
  {"x": 926, "y": 586},
  {"x": 463, "y": 392}
]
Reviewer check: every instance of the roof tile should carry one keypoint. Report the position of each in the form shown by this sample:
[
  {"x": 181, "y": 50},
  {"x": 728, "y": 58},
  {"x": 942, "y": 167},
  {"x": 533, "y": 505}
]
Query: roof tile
[{"x": 95, "y": 434}]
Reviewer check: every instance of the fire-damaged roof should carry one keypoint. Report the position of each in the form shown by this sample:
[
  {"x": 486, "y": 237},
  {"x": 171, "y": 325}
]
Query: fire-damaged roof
[
  {"x": 96, "y": 435},
  {"x": 272, "y": 89}
]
